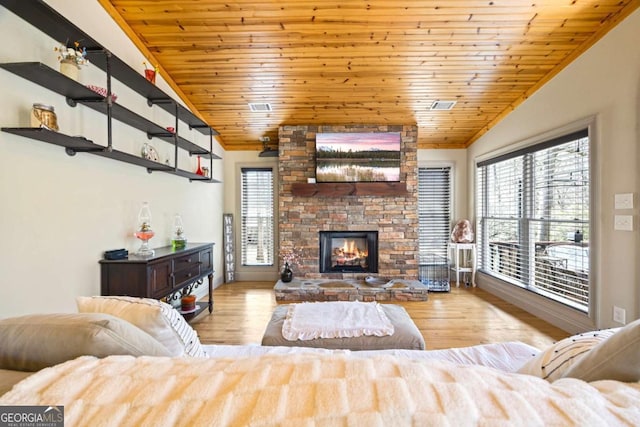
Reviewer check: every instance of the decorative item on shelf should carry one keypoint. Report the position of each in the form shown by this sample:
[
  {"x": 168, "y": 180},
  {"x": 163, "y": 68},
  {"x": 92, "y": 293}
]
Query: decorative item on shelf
[
  {"x": 205, "y": 171},
  {"x": 178, "y": 240},
  {"x": 462, "y": 232},
  {"x": 149, "y": 152},
  {"x": 188, "y": 304},
  {"x": 69, "y": 69},
  {"x": 116, "y": 254},
  {"x": 71, "y": 58},
  {"x": 144, "y": 231},
  {"x": 150, "y": 73},
  {"x": 171, "y": 129},
  {"x": 286, "y": 275},
  {"x": 44, "y": 116},
  {"x": 199, "y": 171},
  {"x": 290, "y": 258},
  {"x": 102, "y": 92}
]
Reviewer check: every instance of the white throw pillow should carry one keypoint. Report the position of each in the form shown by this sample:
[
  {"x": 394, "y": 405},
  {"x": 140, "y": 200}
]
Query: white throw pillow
[
  {"x": 617, "y": 358},
  {"x": 156, "y": 318},
  {"x": 552, "y": 363}
]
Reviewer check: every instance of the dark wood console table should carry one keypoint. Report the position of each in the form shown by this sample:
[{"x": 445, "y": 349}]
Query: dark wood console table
[{"x": 167, "y": 274}]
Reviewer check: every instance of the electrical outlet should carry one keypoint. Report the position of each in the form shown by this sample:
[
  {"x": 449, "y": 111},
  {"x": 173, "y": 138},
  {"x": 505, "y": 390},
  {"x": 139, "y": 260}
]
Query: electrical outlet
[{"x": 619, "y": 315}]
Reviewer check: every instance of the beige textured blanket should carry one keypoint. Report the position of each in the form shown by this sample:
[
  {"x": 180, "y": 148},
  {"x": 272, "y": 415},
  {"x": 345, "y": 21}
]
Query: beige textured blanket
[
  {"x": 335, "y": 319},
  {"x": 315, "y": 389}
]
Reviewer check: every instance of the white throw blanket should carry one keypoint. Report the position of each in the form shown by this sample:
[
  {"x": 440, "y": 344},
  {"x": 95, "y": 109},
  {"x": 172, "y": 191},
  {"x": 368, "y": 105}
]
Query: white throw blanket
[
  {"x": 316, "y": 389},
  {"x": 339, "y": 319}
]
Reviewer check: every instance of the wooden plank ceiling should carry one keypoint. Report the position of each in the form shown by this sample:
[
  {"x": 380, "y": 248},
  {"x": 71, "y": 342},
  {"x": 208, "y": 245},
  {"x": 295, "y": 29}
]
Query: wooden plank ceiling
[{"x": 361, "y": 62}]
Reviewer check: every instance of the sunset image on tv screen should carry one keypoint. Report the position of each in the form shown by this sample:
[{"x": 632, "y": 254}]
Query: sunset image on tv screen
[{"x": 358, "y": 157}]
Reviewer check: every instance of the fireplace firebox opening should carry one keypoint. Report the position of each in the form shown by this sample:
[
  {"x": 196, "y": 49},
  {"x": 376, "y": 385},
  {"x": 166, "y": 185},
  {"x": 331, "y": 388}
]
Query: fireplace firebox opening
[{"x": 348, "y": 252}]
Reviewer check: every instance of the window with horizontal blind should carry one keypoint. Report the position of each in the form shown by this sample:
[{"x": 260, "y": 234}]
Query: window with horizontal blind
[
  {"x": 257, "y": 217},
  {"x": 434, "y": 213},
  {"x": 533, "y": 218}
]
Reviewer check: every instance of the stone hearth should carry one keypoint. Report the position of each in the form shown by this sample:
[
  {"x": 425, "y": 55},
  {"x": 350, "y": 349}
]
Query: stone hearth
[{"x": 349, "y": 290}]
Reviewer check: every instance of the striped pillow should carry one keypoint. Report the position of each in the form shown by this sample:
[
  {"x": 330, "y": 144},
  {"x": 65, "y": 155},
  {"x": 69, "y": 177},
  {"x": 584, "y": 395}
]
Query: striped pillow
[
  {"x": 552, "y": 363},
  {"x": 156, "y": 318}
]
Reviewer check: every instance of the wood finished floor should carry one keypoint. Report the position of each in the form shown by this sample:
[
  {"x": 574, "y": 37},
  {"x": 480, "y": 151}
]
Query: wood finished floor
[{"x": 463, "y": 317}]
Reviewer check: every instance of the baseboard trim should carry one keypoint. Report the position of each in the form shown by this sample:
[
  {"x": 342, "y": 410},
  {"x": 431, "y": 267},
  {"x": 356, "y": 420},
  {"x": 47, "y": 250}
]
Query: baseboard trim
[{"x": 559, "y": 315}]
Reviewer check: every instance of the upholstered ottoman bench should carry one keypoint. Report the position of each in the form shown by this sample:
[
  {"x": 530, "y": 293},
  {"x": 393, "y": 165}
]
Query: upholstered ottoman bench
[{"x": 405, "y": 333}]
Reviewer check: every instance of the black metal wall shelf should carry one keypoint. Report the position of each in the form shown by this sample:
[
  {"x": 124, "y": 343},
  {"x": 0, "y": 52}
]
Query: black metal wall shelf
[
  {"x": 74, "y": 143},
  {"x": 79, "y": 144},
  {"x": 47, "y": 20},
  {"x": 75, "y": 92}
]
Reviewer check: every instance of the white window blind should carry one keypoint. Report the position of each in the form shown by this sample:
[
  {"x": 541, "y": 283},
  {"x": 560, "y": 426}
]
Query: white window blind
[
  {"x": 257, "y": 217},
  {"x": 533, "y": 218},
  {"x": 434, "y": 212}
]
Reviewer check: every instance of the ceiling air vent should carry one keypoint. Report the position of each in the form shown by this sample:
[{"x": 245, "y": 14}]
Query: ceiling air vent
[
  {"x": 260, "y": 107},
  {"x": 442, "y": 105}
]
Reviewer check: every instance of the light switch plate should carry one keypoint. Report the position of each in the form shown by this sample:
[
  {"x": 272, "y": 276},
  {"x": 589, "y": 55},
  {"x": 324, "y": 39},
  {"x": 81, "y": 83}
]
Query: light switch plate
[
  {"x": 619, "y": 315},
  {"x": 623, "y": 222},
  {"x": 624, "y": 201}
]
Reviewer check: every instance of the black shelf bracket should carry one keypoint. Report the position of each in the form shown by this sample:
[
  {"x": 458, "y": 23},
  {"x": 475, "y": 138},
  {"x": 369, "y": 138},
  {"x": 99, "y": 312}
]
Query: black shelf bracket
[
  {"x": 73, "y": 151},
  {"x": 159, "y": 101},
  {"x": 72, "y": 102}
]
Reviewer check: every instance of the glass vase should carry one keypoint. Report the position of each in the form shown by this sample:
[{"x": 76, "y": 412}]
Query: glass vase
[
  {"x": 150, "y": 75},
  {"x": 144, "y": 231},
  {"x": 178, "y": 241},
  {"x": 287, "y": 274},
  {"x": 199, "y": 171}
]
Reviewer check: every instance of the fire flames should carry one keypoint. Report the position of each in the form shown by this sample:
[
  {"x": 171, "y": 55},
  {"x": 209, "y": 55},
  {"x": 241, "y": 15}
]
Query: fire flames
[{"x": 349, "y": 253}]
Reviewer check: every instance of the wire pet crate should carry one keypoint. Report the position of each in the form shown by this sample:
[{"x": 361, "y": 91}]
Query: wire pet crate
[{"x": 434, "y": 273}]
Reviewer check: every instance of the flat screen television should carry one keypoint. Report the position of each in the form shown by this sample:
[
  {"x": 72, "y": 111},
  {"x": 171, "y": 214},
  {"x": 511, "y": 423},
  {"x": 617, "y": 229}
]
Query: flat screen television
[{"x": 358, "y": 157}]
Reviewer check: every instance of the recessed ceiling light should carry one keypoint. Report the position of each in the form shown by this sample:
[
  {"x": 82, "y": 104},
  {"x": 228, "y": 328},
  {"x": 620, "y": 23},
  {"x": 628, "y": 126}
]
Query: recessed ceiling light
[
  {"x": 260, "y": 106},
  {"x": 442, "y": 105}
]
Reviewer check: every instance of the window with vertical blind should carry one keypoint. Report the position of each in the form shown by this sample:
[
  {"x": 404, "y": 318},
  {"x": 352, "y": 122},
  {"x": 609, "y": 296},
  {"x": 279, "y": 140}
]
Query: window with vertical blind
[
  {"x": 434, "y": 213},
  {"x": 533, "y": 218},
  {"x": 257, "y": 217}
]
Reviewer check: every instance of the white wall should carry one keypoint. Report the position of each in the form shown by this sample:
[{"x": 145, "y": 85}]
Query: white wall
[
  {"x": 59, "y": 213},
  {"x": 605, "y": 83}
]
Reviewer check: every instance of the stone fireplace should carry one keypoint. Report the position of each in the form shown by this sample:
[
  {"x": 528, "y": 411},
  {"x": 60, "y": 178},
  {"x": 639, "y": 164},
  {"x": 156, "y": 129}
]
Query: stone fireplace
[
  {"x": 348, "y": 251},
  {"x": 302, "y": 218}
]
